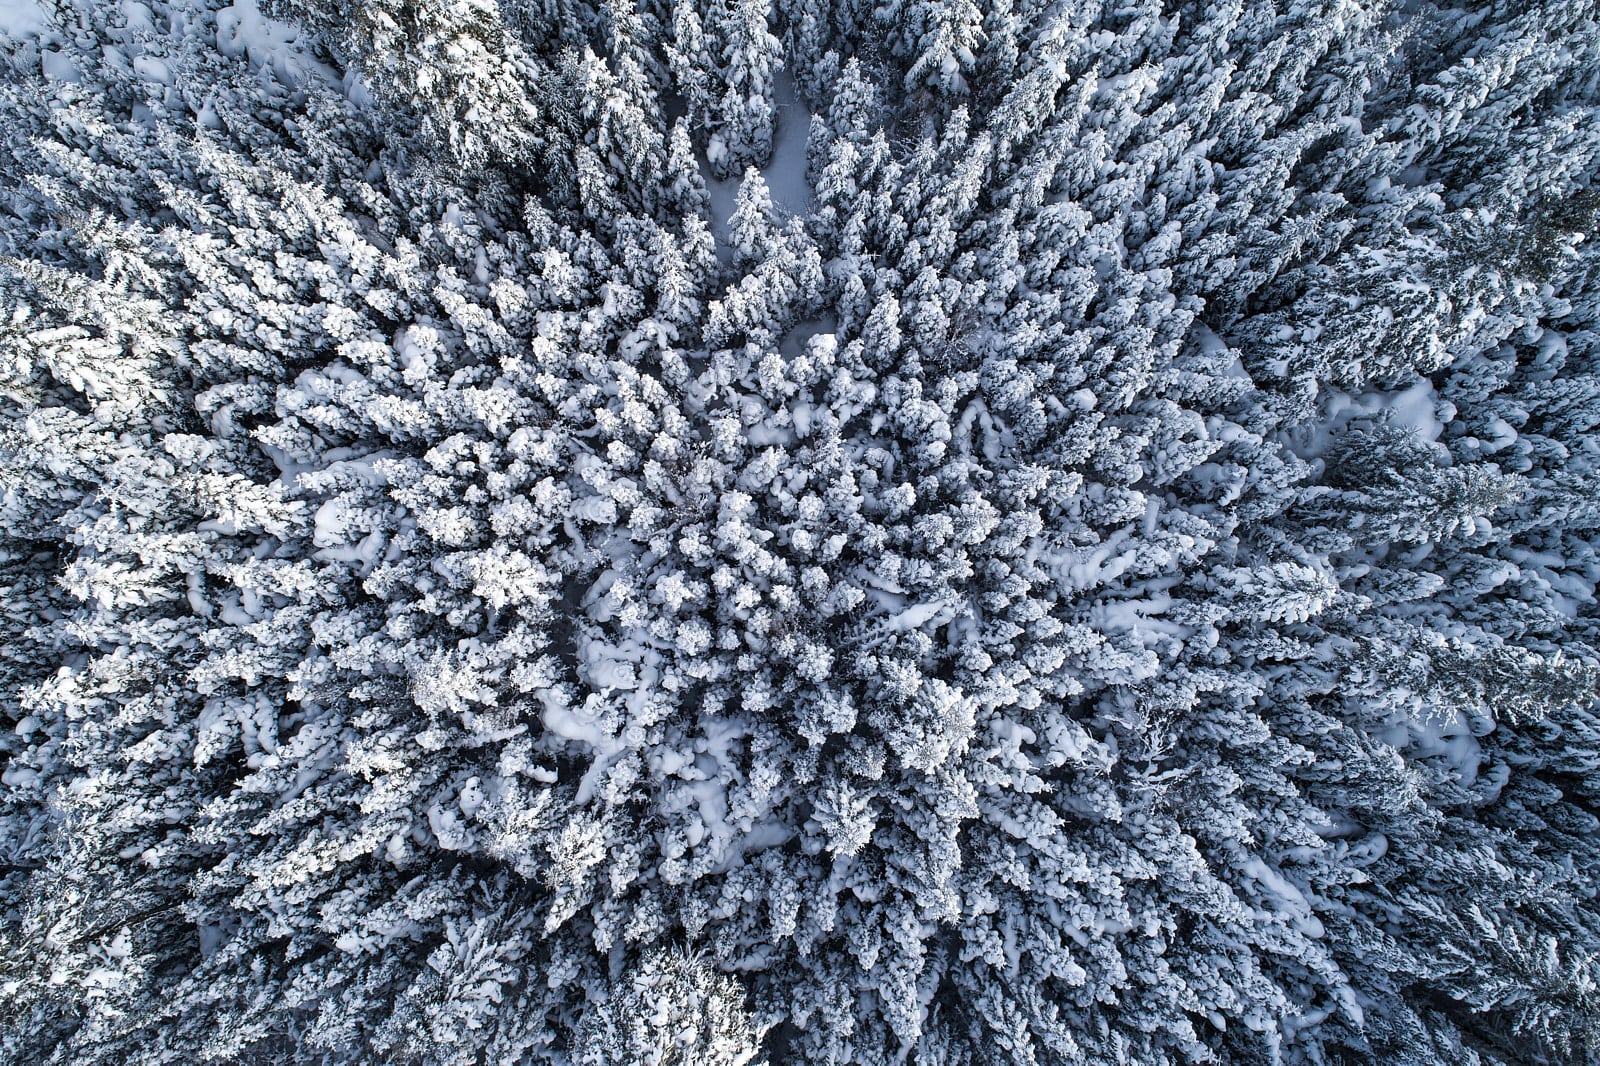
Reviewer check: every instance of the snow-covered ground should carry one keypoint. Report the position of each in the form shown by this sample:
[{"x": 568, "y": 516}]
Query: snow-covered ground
[
  {"x": 785, "y": 172},
  {"x": 19, "y": 18}
]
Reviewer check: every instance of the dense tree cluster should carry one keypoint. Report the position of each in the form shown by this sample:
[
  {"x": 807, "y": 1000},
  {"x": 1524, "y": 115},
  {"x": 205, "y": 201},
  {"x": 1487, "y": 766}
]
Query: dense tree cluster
[{"x": 499, "y": 566}]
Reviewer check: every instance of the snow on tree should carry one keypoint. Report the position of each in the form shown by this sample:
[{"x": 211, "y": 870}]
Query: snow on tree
[{"x": 490, "y": 573}]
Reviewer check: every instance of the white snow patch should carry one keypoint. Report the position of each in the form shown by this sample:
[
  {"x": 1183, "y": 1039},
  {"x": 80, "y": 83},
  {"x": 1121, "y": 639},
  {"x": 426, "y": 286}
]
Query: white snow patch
[
  {"x": 579, "y": 724},
  {"x": 582, "y": 725},
  {"x": 57, "y": 67},
  {"x": 921, "y": 614},
  {"x": 21, "y": 18},
  {"x": 711, "y": 800},
  {"x": 1450, "y": 738},
  {"x": 150, "y": 68},
  {"x": 242, "y": 30},
  {"x": 620, "y": 667},
  {"x": 1214, "y": 347},
  {"x": 785, "y": 173},
  {"x": 1414, "y": 408},
  {"x": 794, "y": 343},
  {"x": 1137, "y": 616},
  {"x": 723, "y": 195},
  {"x": 1078, "y": 570},
  {"x": 601, "y": 510},
  {"x": 356, "y": 88},
  {"x": 1292, "y": 903}
]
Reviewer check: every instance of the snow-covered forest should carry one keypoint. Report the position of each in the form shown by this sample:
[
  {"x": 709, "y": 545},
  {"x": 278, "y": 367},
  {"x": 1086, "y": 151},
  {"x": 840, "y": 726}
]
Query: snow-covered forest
[{"x": 718, "y": 532}]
